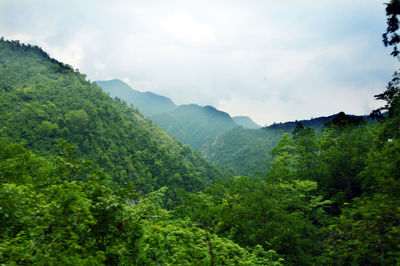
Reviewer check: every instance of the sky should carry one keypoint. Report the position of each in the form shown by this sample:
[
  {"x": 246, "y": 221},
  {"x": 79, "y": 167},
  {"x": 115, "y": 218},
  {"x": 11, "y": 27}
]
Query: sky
[{"x": 274, "y": 61}]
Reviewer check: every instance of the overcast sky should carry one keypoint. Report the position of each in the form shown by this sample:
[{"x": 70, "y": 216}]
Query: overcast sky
[{"x": 272, "y": 60}]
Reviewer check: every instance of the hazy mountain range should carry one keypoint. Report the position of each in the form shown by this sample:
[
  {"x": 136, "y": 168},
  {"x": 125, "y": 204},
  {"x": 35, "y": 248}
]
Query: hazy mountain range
[
  {"x": 192, "y": 124},
  {"x": 147, "y": 102},
  {"x": 237, "y": 143}
]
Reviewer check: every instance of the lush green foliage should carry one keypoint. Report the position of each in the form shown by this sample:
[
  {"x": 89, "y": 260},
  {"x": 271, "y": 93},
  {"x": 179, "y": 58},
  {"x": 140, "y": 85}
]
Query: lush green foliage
[
  {"x": 327, "y": 198},
  {"x": 244, "y": 150},
  {"x": 42, "y": 100},
  {"x": 330, "y": 197},
  {"x": 247, "y": 151},
  {"x": 193, "y": 124},
  {"x": 64, "y": 211},
  {"x": 58, "y": 207},
  {"x": 274, "y": 214}
]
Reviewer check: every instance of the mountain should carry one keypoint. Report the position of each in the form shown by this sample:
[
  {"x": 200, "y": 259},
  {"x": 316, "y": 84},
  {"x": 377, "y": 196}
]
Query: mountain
[
  {"x": 319, "y": 122},
  {"x": 194, "y": 124},
  {"x": 43, "y": 101},
  {"x": 147, "y": 102},
  {"x": 68, "y": 157},
  {"x": 245, "y": 122},
  {"x": 315, "y": 123},
  {"x": 246, "y": 151}
]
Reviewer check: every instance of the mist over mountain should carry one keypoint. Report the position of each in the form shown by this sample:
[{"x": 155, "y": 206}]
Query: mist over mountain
[
  {"x": 148, "y": 103},
  {"x": 245, "y": 122},
  {"x": 192, "y": 124}
]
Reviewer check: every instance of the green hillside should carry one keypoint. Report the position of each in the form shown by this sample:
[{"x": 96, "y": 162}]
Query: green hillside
[
  {"x": 70, "y": 158},
  {"x": 243, "y": 150},
  {"x": 148, "y": 103},
  {"x": 86, "y": 180},
  {"x": 193, "y": 124},
  {"x": 247, "y": 151},
  {"x": 43, "y": 100}
]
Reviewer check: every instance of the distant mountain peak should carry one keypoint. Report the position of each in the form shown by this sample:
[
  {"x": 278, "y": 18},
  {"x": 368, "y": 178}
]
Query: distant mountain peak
[
  {"x": 209, "y": 107},
  {"x": 148, "y": 103},
  {"x": 190, "y": 123},
  {"x": 245, "y": 122},
  {"x": 193, "y": 124}
]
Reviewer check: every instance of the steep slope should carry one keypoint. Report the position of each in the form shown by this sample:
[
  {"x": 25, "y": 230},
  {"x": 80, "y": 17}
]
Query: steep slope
[
  {"x": 245, "y": 122},
  {"x": 246, "y": 151},
  {"x": 43, "y": 100},
  {"x": 148, "y": 103},
  {"x": 193, "y": 124},
  {"x": 243, "y": 150}
]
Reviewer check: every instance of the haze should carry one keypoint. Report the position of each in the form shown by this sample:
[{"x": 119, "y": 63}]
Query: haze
[{"x": 274, "y": 61}]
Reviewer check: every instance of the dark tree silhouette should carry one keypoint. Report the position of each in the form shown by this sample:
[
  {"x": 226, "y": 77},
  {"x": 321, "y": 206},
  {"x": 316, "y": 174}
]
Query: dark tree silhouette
[{"x": 391, "y": 37}]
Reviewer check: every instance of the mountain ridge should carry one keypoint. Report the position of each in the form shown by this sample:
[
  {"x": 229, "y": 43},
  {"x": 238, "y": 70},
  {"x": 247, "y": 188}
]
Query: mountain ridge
[
  {"x": 190, "y": 123},
  {"x": 147, "y": 102},
  {"x": 43, "y": 100},
  {"x": 194, "y": 124},
  {"x": 246, "y": 151},
  {"x": 246, "y": 122}
]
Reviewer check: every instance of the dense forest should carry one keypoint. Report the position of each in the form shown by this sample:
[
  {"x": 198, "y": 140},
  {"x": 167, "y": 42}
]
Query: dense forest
[
  {"x": 193, "y": 124},
  {"x": 235, "y": 143},
  {"x": 87, "y": 180},
  {"x": 190, "y": 123},
  {"x": 43, "y": 101},
  {"x": 247, "y": 151}
]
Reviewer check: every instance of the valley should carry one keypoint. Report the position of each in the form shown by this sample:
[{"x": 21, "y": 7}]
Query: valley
[{"x": 100, "y": 173}]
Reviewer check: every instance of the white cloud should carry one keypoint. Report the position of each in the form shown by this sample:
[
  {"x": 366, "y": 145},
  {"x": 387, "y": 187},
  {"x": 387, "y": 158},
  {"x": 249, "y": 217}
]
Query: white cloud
[
  {"x": 184, "y": 26},
  {"x": 272, "y": 60}
]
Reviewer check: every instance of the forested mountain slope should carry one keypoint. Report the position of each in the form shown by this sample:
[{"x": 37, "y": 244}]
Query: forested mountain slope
[
  {"x": 194, "y": 124},
  {"x": 243, "y": 150},
  {"x": 330, "y": 197},
  {"x": 147, "y": 102},
  {"x": 59, "y": 208},
  {"x": 42, "y": 100},
  {"x": 247, "y": 151}
]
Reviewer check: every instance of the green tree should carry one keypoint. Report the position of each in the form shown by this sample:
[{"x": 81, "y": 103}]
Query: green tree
[
  {"x": 279, "y": 215},
  {"x": 368, "y": 229}
]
